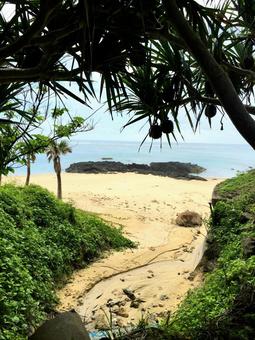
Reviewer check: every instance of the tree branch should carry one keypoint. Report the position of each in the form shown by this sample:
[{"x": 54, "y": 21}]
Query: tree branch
[
  {"x": 220, "y": 81},
  {"x": 241, "y": 71},
  {"x": 11, "y": 75},
  {"x": 209, "y": 100},
  {"x": 37, "y": 26}
]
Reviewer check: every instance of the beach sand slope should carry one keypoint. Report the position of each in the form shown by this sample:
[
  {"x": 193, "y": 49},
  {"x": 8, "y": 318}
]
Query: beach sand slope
[{"x": 160, "y": 271}]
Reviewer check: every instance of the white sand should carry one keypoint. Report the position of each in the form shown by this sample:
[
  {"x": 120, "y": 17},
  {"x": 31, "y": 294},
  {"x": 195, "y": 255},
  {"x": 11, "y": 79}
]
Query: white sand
[{"x": 158, "y": 271}]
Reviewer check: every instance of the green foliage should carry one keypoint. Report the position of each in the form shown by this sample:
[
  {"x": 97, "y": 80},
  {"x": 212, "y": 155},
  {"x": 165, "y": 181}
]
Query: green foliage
[
  {"x": 223, "y": 307},
  {"x": 41, "y": 241},
  {"x": 239, "y": 185},
  {"x": 66, "y": 130}
]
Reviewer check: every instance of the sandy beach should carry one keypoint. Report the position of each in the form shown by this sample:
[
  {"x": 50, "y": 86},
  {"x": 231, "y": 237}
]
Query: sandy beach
[{"x": 160, "y": 271}]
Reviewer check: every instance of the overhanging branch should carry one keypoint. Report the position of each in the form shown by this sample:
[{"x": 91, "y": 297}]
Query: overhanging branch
[
  {"x": 220, "y": 81},
  {"x": 9, "y": 75}
]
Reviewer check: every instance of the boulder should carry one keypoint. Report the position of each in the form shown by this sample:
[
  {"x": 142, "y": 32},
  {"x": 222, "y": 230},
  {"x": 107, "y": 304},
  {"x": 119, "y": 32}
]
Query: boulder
[
  {"x": 189, "y": 219},
  {"x": 65, "y": 326}
]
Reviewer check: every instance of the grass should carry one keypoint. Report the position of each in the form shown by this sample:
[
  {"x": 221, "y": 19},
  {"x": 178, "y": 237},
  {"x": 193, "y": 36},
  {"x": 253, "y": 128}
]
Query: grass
[{"x": 42, "y": 240}]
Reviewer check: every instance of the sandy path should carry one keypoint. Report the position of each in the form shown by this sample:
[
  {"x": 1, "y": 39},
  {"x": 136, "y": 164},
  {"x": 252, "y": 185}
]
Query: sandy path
[{"x": 158, "y": 271}]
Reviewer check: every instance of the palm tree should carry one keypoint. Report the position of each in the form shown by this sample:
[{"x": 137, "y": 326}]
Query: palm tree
[
  {"x": 30, "y": 158},
  {"x": 53, "y": 153}
]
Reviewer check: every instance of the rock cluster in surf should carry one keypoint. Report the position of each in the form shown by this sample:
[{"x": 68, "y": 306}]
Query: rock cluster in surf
[{"x": 170, "y": 169}]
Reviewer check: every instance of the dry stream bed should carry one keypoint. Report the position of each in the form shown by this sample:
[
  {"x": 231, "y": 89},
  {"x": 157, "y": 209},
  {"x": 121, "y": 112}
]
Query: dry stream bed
[{"x": 149, "y": 281}]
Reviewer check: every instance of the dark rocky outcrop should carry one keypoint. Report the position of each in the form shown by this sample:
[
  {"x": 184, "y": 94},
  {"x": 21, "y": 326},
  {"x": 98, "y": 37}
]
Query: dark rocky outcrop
[{"x": 170, "y": 169}]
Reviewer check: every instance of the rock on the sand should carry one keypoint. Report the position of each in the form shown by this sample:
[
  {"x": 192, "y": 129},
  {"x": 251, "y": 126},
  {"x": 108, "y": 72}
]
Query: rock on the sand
[{"x": 189, "y": 219}]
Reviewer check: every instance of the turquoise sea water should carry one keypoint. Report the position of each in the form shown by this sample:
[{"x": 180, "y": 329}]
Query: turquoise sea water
[{"x": 219, "y": 160}]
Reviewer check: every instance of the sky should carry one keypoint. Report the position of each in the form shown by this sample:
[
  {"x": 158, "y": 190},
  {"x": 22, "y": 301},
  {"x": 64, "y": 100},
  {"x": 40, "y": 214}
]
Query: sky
[{"x": 107, "y": 129}]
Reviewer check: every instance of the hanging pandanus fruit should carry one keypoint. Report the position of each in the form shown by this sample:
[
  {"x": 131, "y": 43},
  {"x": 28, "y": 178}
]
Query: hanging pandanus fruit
[
  {"x": 155, "y": 131},
  {"x": 210, "y": 111},
  {"x": 167, "y": 126}
]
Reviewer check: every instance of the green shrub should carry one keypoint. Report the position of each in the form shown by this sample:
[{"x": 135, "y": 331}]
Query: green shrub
[
  {"x": 224, "y": 306},
  {"x": 41, "y": 241}
]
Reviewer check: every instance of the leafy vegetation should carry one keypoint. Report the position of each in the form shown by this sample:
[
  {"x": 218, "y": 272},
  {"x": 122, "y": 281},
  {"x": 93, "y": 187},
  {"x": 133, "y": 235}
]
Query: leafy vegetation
[
  {"x": 178, "y": 54},
  {"x": 19, "y": 143},
  {"x": 224, "y": 307},
  {"x": 41, "y": 241}
]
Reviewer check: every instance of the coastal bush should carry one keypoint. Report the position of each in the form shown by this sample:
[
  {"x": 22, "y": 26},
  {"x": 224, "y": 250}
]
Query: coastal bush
[
  {"x": 41, "y": 241},
  {"x": 224, "y": 306}
]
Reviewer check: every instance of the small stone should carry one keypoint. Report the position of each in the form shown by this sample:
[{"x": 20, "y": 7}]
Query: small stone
[
  {"x": 154, "y": 305},
  {"x": 129, "y": 293},
  {"x": 122, "y": 312},
  {"x": 160, "y": 305},
  {"x": 134, "y": 304},
  {"x": 179, "y": 273},
  {"x": 121, "y": 279},
  {"x": 163, "y": 297},
  {"x": 80, "y": 302},
  {"x": 115, "y": 309},
  {"x": 191, "y": 276}
]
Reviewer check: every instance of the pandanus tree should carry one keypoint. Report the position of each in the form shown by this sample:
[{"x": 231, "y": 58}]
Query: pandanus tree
[
  {"x": 200, "y": 57},
  {"x": 54, "y": 151}
]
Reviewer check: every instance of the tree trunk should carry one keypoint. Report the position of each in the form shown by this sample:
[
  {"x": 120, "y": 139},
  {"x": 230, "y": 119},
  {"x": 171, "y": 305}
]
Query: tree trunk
[
  {"x": 0, "y": 178},
  {"x": 59, "y": 185},
  {"x": 28, "y": 170},
  {"x": 57, "y": 168},
  {"x": 219, "y": 79}
]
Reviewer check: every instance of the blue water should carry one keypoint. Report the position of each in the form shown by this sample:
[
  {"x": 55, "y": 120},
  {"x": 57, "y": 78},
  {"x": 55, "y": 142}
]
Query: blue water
[{"x": 219, "y": 160}]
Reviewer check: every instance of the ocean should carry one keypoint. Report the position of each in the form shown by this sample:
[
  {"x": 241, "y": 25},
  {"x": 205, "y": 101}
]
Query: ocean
[{"x": 218, "y": 159}]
